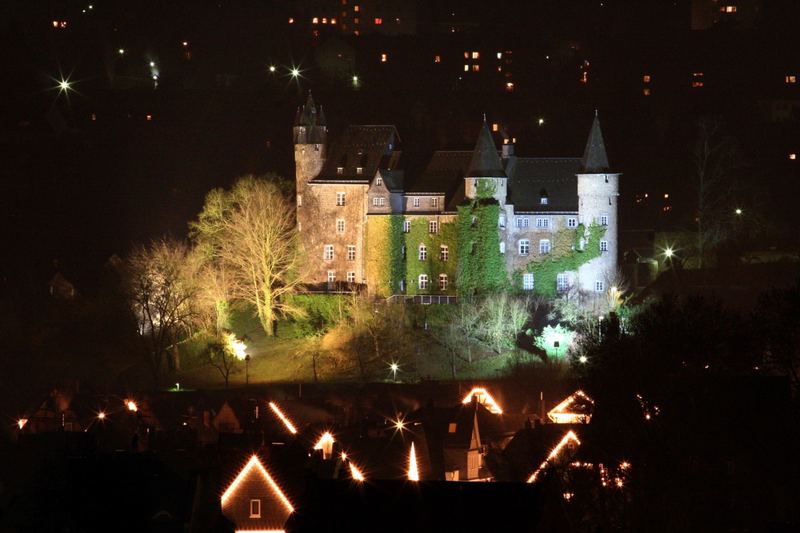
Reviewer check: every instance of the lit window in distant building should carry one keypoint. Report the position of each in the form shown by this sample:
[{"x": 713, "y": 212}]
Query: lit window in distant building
[
  {"x": 384, "y": 58},
  {"x": 499, "y": 55},
  {"x": 378, "y": 21},
  {"x": 476, "y": 55},
  {"x": 476, "y": 68},
  {"x": 359, "y": 170},
  {"x": 340, "y": 170},
  {"x": 333, "y": 21},
  {"x": 646, "y": 91},
  {"x": 291, "y": 20},
  {"x": 315, "y": 20},
  {"x": 727, "y": 9},
  {"x": 792, "y": 156},
  {"x": 585, "y": 77},
  {"x": 357, "y": 21},
  {"x": 791, "y": 79},
  {"x": 356, "y": 8},
  {"x": 697, "y": 79},
  {"x": 646, "y": 78},
  {"x": 437, "y": 59},
  {"x": 510, "y": 86},
  {"x": 495, "y": 126},
  {"x": 466, "y": 68},
  {"x": 324, "y": 20}
]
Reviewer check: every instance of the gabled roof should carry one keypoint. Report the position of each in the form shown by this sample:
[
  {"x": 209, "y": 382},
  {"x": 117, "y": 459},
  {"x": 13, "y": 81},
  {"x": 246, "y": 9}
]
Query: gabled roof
[
  {"x": 444, "y": 173},
  {"x": 485, "y": 160},
  {"x": 365, "y": 147},
  {"x": 529, "y": 177},
  {"x": 254, "y": 482},
  {"x": 595, "y": 158}
]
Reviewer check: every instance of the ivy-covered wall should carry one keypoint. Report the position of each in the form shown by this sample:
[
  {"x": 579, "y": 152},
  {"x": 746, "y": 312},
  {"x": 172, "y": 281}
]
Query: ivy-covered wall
[
  {"x": 480, "y": 265},
  {"x": 385, "y": 266},
  {"x": 433, "y": 265},
  {"x": 584, "y": 246}
]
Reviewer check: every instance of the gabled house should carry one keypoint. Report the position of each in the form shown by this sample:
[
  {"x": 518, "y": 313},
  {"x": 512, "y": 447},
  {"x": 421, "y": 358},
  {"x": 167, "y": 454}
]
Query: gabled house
[{"x": 254, "y": 501}]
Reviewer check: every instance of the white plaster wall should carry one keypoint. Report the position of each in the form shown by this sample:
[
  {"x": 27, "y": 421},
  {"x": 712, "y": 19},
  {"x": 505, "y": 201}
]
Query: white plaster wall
[{"x": 598, "y": 195}]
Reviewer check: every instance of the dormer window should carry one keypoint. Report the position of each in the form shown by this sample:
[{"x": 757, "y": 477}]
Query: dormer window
[
  {"x": 359, "y": 170},
  {"x": 416, "y": 201},
  {"x": 378, "y": 181},
  {"x": 543, "y": 200},
  {"x": 340, "y": 170}
]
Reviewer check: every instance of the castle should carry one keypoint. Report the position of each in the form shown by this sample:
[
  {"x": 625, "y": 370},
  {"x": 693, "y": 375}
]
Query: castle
[{"x": 462, "y": 222}]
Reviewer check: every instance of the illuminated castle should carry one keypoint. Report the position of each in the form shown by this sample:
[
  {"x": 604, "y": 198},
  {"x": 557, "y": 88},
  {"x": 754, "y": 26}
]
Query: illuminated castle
[{"x": 366, "y": 219}]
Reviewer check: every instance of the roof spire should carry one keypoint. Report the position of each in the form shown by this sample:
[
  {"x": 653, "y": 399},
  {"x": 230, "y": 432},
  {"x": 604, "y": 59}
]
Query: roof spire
[
  {"x": 485, "y": 160},
  {"x": 484, "y": 118},
  {"x": 595, "y": 158}
]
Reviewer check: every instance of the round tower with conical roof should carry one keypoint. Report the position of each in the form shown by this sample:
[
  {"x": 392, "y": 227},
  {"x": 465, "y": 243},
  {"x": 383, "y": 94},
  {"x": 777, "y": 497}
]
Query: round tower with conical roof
[
  {"x": 486, "y": 171},
  {"x": 598, "y": 192}
]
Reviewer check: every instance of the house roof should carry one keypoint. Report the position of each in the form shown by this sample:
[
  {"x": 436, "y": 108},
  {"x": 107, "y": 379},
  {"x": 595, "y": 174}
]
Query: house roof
[
  {"x": 530, "y": 178},
  {"x": 595, "y": 158},
  {"x": 485, "y": 161},
  {"x": 444, "y": 173},
  {"x": 365, "y": 147}
]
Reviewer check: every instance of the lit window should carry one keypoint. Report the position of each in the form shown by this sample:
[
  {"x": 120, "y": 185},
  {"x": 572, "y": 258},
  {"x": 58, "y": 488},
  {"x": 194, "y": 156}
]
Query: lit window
[
  {"x": 255, "y": 508},
  {"x": 356, "y": 21},
  {"x": 423, "y": 252},
  {"x": 340, "y": 170},
  {"x": 697, "y": 79},
  {"x": 378, "y": 181},
  {"x": 333, "y": 21},
  {"x": 646, "y": 78},
  {"x": 351, "y": 252},
  {"x": 604, "y": 220},
  {"x": 351, "y": 277},
  {"x": 792, "y": 156},
  {"x": 466, "y": 55},
  {"x": 339, "y": 225},
  {"x": 646, "y": 91},
  {"x": 495, "y": 126},
  {"x": 339, "y": 198},
  {"x": 423, "y": 281},
  {"x": 442, "y": 282},
  {"x": 544, "y": 246},
  {"x": 585, "y": 76},
  {"x": 603, "y": 246},
  {"x": 791, "y": 79},
  {"x": 476, "y": 55},
  {"x": 315, "y": 20},
  {"x": 543, "y": 200},
  {"x": 499, "y": 55},
  {"x": 466, "y": 68},
  {"x": 599, "y": 286},
  {"x": 356, "y": 8},
  {"x": 524, "y": 247},
  {"x": 359, "y": 170},
  {"x": 572, "y": 222},
  {"x": 416, "y": 202},
  {"x": 527, "y": 281},
  {"x": 437, "y": 59},
  {"x": 406, "y": 226},
  {"x": 728, "y": 9},
  {"x": 384, "y": 58},
  {"x": 378, "y": 21},
  {"x": 476, "y": 68},
  {"x": 324, "y": 20},
  {"x": 433, "y": 226},
  {"x": 543, "y": 223},
  {"x": 502, "y": 247},
  {"x": 562, "y": 282},
  {"x": 434, "y": 202},
  {"x": 328, "y": 256},
  {"x": 510, "y": 86},
  {"x": 444, "y": 252},
  {"x": 291, "y": 20}
]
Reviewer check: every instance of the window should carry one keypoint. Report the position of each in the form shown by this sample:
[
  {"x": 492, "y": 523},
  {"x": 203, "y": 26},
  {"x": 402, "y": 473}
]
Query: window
[
  {"x": 402, "y": 285},
  {"x": 255, "y": 508},
  {"x": 442, "y": 282},
  {"x": 437, "y": 59},
  {"x": 356, "y": 8},
  {"x": 444, "y": 252},
  {"x": 378, "y": 21},
  {"x": 542, "y": 223},
  {"x": 697, "y": 79},
  {"x": 434, "y": 202},
  {"x": 339, "y": 225},
  {"x": 331, "y": 278},
  {"x": 406, "y": 226},
  {"x": 604, "y": 220},
  {"x": 599, "y": 286},
  {"x": 646, "y": 78},
  {"x": 522, "y": 222},
  {"x": 403, "y": 251},
  {"x": 543, "y": 200},
  {"x": 379, "y": 201},
  {"x": 423, "y": 252},
  {"x": 378, "y": 181},
  {"x": 544, "y": 246},
  {"x": 416, "y": 202},
  {"x": 791, "y": 79},
  {"x": 384, "y": 58},
  {"x": 501, "y": 221},
  {"x": 728, "y": 9},
  {"x": 351, "y": 277},
  {"x": 466, "y": 68},
  {"x": 603, "y": 246},
  {"x": 527, "y": 281},
  {"x": 359, "y": 170},
  {"x": 572, "y": 222},
  {"x": 646, "y": 91},
  {"x": 476, "y": 68},
  {"x": 423, "y": 282},
  {"x": 351, "y": 252},
  {"x": 502, "y": 247},
  {"x": 476, "y": 55},
  {"x": 328, "y": 256},
  {"x": 524, "y": 247},
  {"x": 433, "y": 226},
  {"x": 562, "y": 282},
  {"x": 340, "y": 170},
  {"x": 339, "y": 198}
]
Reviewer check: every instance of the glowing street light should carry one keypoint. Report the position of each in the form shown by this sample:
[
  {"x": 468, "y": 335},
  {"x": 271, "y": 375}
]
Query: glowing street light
[
  {"x": 669, "y": 252},
  {"x": 121, "y": 51},
  {"x": 295, "y": 72},
  {"x": 394, "y": 367},
  {"x": 21, "y": 422},
  {"x": 131, "y": 405},
  {"x": 101, "y": 415},
  {"x": 152, "y": 64},
  {"x": 541, "y": 121},
  {"x": 738, "y": 211},
  {"x": 64, "y": 86},
  {"x": 355, "y": 473},
  {"x": 272, "y": 69},
  {"x": 583, "y": 359}
]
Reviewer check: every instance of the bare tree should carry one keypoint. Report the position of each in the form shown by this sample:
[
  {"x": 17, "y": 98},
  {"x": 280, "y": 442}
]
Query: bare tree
[
  {"x": 249, "y": 233},
  {"x": 160, "y": 291},
  {"x": 502, "y": 318},
  {"x": 220, "y": 357}
]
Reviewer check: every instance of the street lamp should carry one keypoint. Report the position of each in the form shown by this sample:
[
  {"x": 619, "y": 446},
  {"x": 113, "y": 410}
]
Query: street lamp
[
  {"x": 738, "y": 211},
  {"x": 394, "y": 366},
  {"x": 583, "y": 359},
  {"x": 247, "y": 369}
]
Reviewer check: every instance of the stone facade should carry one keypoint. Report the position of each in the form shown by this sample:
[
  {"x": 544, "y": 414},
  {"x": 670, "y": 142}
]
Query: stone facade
[{"x": 544, "y": 205}]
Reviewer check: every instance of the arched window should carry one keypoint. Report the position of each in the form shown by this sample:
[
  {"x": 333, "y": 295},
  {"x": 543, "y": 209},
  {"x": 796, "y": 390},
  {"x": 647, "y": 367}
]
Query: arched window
[
  {"x": 423, "y": 282},
  {"x": 423, "y": 252},
  {"x": 444, "y": 252},
  {"x": 442, "y": 282}
]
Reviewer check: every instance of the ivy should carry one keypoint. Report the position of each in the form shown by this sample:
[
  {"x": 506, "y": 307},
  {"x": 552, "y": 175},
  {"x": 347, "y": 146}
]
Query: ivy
[
  {"x": 546, "y": 271},
  {"x": 385, "y": 264},
  {"x": 432, "y": 265},
  {"x": 481, "y": 268}
]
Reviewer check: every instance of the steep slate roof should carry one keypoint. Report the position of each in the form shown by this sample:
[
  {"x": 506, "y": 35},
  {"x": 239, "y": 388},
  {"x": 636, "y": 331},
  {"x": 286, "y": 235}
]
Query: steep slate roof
[
  {"x": 307, "y": 114},
  {"x": 485, "y": 160},
  {"x": 595, "y": 158},
  {"x": 369, "y": 147},
  {"x": 530, "y": 176},
  {"x": 444, "y": 173}
]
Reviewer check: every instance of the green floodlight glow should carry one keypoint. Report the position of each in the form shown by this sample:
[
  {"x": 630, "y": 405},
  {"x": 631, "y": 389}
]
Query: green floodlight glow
[{"x": 555, "y": 341}]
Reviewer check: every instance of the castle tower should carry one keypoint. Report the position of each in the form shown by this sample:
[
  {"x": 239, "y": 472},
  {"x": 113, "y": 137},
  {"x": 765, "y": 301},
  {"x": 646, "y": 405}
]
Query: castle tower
[
  {"x": 486, "y": 168},
  {"x": 598, "y": 192},
  {"x": 310, "y": 133}
]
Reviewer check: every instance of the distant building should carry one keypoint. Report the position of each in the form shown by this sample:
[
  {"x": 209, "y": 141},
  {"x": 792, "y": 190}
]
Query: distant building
[{"x": 368, "y": 217}]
